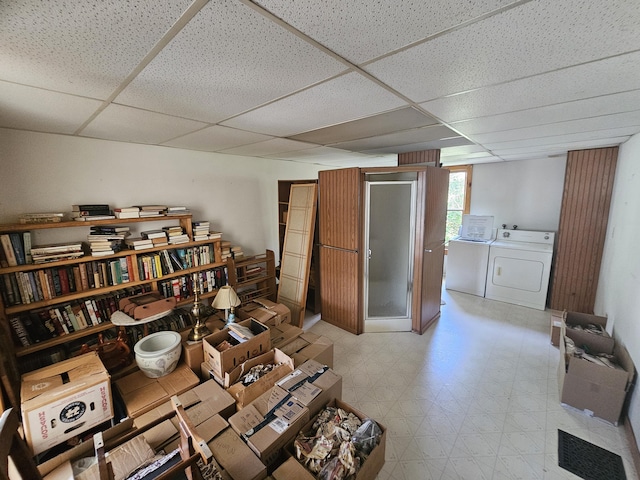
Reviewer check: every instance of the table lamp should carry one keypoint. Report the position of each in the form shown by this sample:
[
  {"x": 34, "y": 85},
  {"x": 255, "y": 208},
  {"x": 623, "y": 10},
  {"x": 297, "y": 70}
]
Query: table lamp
[
  {"x": 226, "y": 299},
  {"x": 199, "y": 330}
]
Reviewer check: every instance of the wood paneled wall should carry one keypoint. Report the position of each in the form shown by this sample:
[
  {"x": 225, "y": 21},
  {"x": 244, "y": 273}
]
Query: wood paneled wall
[
  {"x": 583, "y": 224},
  {"x": 422, "y": 157}
]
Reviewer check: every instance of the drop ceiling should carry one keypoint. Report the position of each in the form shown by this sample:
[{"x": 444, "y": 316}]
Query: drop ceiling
[{"x": 331, "y": 82}]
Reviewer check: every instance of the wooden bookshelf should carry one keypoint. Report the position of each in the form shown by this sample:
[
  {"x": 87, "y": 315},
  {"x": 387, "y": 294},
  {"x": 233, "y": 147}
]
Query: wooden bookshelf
[{"x": 7, "y": 312}]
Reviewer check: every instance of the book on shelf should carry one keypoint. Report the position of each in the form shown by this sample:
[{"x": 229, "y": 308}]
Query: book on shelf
[
  {"x": 138, "y": 243},
  {"x": 135, "y": 214},
  {"x": 184, "y": 238},
  {"x": 127, "y": 209},
  {"x": 26, "y": 242},
  {"x": 91, "y": 218},
  {"x": 146, "y": 214},
  {"x": 56, "y": 248},
  {"x": 18, "y": 247},
  {"x": 20, "y": 332},
  {"x": 147, "y": 208},
  {"x": 90, "y": 207},
  {"x": 55, "y": 257},
  {"x": 150, "y": 234},
  {"x": 7, "y": 247},
  {"x": 48, "y": 217},
  {"x": 109, "y": 229}
]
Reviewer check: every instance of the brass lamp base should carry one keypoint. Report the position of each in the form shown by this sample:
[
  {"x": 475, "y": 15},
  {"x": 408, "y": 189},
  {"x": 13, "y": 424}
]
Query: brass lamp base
[{"x": 198, "y": 332}]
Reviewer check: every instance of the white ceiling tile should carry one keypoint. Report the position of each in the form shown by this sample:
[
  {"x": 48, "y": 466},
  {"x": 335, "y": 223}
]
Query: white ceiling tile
[
  {"x": 216, "y": 138},
  {"x": 416, "y": 135},
  {"x": 420, "y": 146},
  {"x": 563, "y": 138},
  {"x": 462, "y": 150},
  {"x": 40, "y": 110},
  {"x": 449, "y": 162},
  {"x": 383, "y": 123},
  {"x": 360, "y": 30},
  {"x": 590, "y": 125},
  {"x": 227, "y": 60},
  {"x": 618, "y": 74},
  {"x": 577, "y": 109},
  {"x": 545, "y": 150},
  {"x": 81, "y": 47},
  {"x": 339, "y": 100},
  {"x": 536, "y": 37},
  {"x": 269, "y": 147},
  {"x": 127, "y": 124},
  {"x": 326, "y": 153}
]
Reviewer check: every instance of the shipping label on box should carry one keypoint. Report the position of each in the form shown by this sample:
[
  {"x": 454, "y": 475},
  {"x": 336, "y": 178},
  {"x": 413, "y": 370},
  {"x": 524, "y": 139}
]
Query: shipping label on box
[
  {"x": 64, "y": 400},
  {"x": 223, "y": 353}
]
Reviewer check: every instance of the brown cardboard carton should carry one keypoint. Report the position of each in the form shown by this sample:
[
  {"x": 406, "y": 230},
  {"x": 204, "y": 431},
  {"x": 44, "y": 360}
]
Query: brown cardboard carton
[
  {"x": 65, "y": 399},
  {"x": 224, "y": 361},
  {"x": 284, "y": 334},
  {"x": 243, "y": 395},
  {"x": 313, "y": 385},
  {"x": 192, "y": 352},
  {"x": 236, "y": 457},
  {"x": 291, "y": 469},
  {"x": 310, "y": 346},
  {"x": 141, "y": 393},
  {"x": 555, "y": 322},
  {"x": 269, "y": 423},
  {"x": 601, "y": 343},
  {"x": 597, "y": 390},
  {"x": 265, "y": 311}
]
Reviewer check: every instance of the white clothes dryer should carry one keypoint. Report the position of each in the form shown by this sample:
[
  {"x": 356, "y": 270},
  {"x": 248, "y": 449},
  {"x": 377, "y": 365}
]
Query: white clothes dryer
[{"x": 519, "y": 267}]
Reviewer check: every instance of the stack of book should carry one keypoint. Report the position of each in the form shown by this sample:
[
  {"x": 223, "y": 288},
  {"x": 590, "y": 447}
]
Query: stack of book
[
  {"x": 201, "y": 231},
  {"x": 175, "y": 235},
  {"x": 51, "y": 217},
  {"x": 138, "y": 243},
  {"x": 157, "y": 237},
  {"x": 151, "y": 210},
  {"x": 56, "y": 252},
  {"x": 89, "y": 212},
  {"x": 237, "y": 252},
  {"x": 127, "y": 212},
  {"x": 178, "y": 210},
  {"x": 225, "y": 246},
  {"x": 106, "y": 239}
]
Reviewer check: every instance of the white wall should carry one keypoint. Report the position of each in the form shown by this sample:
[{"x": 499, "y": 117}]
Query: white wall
[
  {"x": 618, "y": 294},
  {"x": 238, "y": 195},
  {"x": 526, "y": 193}
]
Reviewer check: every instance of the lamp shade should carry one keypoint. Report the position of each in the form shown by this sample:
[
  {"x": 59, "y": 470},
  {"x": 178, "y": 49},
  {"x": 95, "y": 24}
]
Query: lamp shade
[{"x": 225, "y": 298}]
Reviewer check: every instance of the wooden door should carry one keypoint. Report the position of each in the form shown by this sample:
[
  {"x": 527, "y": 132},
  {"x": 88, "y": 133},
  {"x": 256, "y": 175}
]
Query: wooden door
[
  {"x": 432, "y": 195},
  {"x": 340, "y": 238}
]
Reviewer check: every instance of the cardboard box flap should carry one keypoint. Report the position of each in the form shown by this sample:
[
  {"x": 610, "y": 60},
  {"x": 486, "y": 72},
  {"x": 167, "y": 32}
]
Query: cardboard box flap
[
  {"x": 50, "y": 381},
  {"x": 273, "y": 356},
  {"x": 578, "y": 318},
  {"x": 625, "y": 361}
]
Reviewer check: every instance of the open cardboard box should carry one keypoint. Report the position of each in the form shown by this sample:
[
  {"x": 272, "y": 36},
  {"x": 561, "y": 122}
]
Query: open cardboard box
[
  {"x": 243, "y": 395},
  {"x": 310, "y": 346},
  {"x": 224, "y": 361},
  {"x": 597, "y": 390},
  {"x": 292, "y": 469},
  {"x": 265, "y": 311},
  {"x": 601, "y": 343}
]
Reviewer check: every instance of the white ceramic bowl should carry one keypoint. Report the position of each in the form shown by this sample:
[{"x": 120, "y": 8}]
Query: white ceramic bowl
[{"x": 158, "y": 354}]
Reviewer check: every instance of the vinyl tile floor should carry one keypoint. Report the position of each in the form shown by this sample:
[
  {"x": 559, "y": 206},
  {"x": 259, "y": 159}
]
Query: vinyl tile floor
[{"x": 475, "y": 397}]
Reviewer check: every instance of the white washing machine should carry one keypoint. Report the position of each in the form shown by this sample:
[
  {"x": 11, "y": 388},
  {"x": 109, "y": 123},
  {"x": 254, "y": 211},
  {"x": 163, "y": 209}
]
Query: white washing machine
[
  {"x": 519, "y": 267},
  {"x": 468, "y": 255}
]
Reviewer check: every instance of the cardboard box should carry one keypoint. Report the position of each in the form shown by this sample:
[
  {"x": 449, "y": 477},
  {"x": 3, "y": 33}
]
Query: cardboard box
[
  {"x": 556, "y": 320},
  {"x": 310, "y": 346},
  {"x": 269, "y": 423},
  {"x": 236, "y": 457},
  {"x": 597, "y": 390},
  {"x": 284, "y": 334},
  {"x": 265, "y": 311},
  {"x": 601, "y": 343},
  {"x": 64, "y": 400},
  {"x": 192, "y": 352},
  {"x": 141, "y": 393},
  {"x": 225, "y": 361},
  {"x": 291, "y": 469},
  {"x": 243, "y": 395},
  {"x": 313, "y": 385}
]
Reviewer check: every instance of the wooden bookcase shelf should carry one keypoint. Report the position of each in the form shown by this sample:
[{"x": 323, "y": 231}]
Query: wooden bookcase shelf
[
  {"x": 7, "y": 312},
  {"x": 253, "y": 277}
]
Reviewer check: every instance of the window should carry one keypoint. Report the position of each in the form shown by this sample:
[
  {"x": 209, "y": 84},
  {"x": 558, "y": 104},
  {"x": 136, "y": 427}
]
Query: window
[{"x": 459, "y": 201}]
